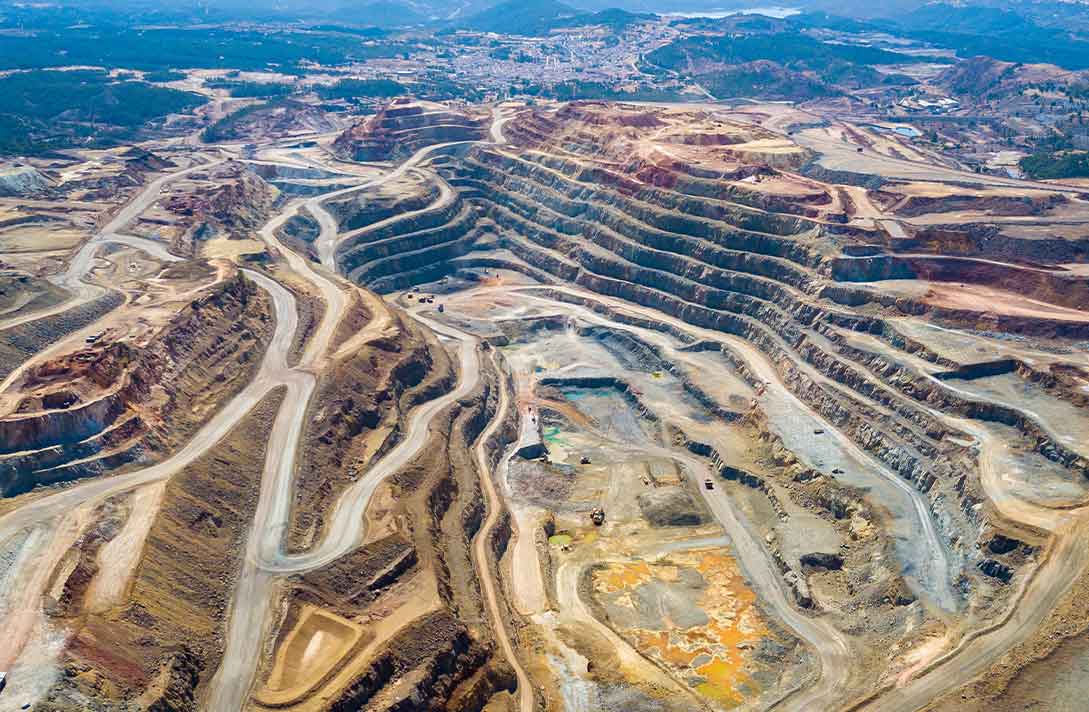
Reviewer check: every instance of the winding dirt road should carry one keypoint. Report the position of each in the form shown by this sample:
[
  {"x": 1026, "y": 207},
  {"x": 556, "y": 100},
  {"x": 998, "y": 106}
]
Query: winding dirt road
[
  {"x": 483, "y": 536},
  {"x": 72, "y": 279},
  {"x": 265, "y": 561},
  {"x": 829, "y": 644},
  {"x": 1065, "y": 558}
]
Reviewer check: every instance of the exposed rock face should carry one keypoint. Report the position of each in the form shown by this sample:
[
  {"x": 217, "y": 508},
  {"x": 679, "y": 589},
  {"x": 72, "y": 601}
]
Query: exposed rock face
[
  {"x": 138, "y": 158},
  {"x": 280, "y": 117},
  {"x": 362, "y": 400},
  {"x": 821, "y": 560},
  {"x": 997, "y": 204},
  {"x": 405, "y": 126},
  {"x": 1054, "y": 286},
  {"x": 21, "y": 342},
  {"x": 413, "y": 231},
  {"x": 712, "y": 240},
  {"x": 206, "y": 352},
  {"x": 437, "y": 656},
  {"x": 241, "y": 205},
  {"x": 366, "y": 207},
  {"x": 161, "y": 643},
  {"x": 22, "y": 181},
  {"x": 235, "y": 209}
]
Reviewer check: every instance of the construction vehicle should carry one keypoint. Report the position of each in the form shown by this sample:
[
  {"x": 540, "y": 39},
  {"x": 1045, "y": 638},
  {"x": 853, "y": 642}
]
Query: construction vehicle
[
  {"x": 597, "y": 516},
  {"x": 441, "y": 309},
  {"x": 708, "y": 484},
  {"x": 584, "y": 461},
  {"x": 3, "y": 681}
]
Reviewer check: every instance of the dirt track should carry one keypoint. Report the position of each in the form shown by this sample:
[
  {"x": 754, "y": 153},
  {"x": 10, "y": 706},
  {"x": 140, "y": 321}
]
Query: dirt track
[
  {"x": 483, "y": 538},
  {"x": 830, "y": 645},
  {"x": 1065, "y": 559}
]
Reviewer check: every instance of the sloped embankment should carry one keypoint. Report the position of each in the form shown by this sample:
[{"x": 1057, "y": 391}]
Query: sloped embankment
[
  {"x": 110, "y": 403},
  {"x": 160, "y": 644}
]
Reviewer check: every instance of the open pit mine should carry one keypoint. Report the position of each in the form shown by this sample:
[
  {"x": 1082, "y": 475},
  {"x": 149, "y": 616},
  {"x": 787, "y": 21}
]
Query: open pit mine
[{"x": 572, "y": 406}]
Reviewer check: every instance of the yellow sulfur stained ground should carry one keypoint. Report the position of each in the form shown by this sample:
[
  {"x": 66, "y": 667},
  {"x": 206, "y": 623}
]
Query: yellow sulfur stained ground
[{"x": 715, "y": 652}]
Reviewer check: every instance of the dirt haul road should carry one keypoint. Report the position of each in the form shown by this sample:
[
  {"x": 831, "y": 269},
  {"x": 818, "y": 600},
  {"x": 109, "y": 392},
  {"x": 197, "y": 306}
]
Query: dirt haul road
[
  {"x": 326, "y": 243},
  {"x": 234, "y": 679},
  {"x": 840, "y": 154},
  {"x": 833, "y": 651},
  {"x": 269, "y": 376},
  {"x": 89, "y": 291},
  {"x": 265, "y": 559},
  {"x": 444, "y": 199},
  {"x": 830, "y": 645},
  {"x": 931, "y": 556},
  {"x": 272, "y": 373},
  {"x": 81, "y": 263},
  {"x": 1066, "y": 557},
  {"x": 483, "y": 537},
  {"x": 252, "y": 599},
  {"x": 765, "y": 371}
]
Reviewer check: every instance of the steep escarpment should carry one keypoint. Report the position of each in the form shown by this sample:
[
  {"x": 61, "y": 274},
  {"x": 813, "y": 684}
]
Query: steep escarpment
[
  {"x": 462, "y": 664},
  {"x": 410, "y": 246},
  {"x": 19, "y": 343},
  {"x": 110, "y": 403},
  {"x": 159, "y": 641},
  {"x": 235, "y": 209},
  {"x": 1052, "y": 286},
  {"x": 405, "y": 126},
  {"x": 719, "y": 259},
  {"x": 406, "y": 602},
  {"x": 360, "y": 408}
]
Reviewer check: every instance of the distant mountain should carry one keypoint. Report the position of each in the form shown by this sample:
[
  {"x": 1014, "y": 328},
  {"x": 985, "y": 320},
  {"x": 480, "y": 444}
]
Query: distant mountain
[
  {"x": 382, "y": 13},
  {"x": 612, "y": 17},
  {"x": 977, "y": 76},
  {"x": 764, "y": 79},
  {"x": 1003, "y": 34},
  {"x": 535, "y": 18},
  {"x": 704, "y": 53},
  {"x": 520, "y": 17}
]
